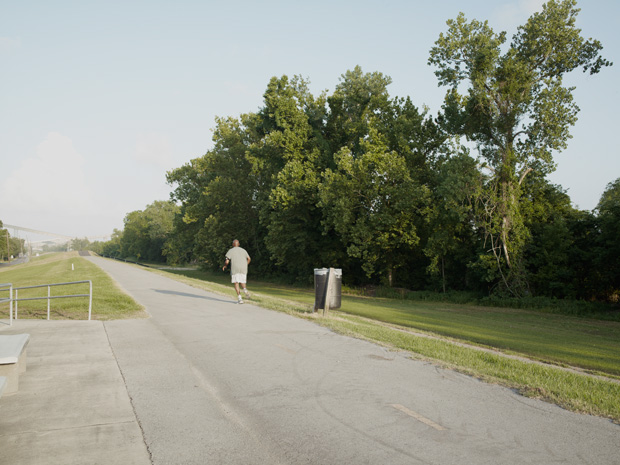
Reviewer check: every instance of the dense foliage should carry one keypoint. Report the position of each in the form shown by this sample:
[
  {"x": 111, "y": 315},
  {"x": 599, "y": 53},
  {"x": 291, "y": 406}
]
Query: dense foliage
[
  {"x": 370, "y": 183},
  {"x": 10, "y": 246}
]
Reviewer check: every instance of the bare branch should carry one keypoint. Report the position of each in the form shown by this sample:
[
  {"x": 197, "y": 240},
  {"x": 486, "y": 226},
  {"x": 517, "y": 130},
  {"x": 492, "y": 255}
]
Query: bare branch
[{"x": 525, "y": 173}]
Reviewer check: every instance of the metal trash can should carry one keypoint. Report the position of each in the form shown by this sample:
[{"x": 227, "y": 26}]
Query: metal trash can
[
  {"x": 321, "y": 278},
  {"x": 335, "y": 296},
  {"x": 320, "y": 287}
]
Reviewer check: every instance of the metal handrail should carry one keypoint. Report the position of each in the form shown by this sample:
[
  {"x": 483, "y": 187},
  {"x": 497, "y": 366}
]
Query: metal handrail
[
  {"x": 49, "y": 296},
  {"x": 4, "y": 287}
]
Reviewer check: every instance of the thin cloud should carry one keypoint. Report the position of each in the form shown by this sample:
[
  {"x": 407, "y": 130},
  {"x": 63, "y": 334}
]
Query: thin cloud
[{"x": 52, "y": 183}]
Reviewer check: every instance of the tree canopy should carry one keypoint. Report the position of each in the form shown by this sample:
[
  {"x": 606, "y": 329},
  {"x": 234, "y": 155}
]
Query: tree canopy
[
  {"x": 367, "y": 182},
  {"x": 515, "y": 108}
]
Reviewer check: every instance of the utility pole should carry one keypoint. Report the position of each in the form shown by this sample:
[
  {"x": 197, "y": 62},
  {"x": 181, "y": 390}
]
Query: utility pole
[{"x": 8, "y": 251}]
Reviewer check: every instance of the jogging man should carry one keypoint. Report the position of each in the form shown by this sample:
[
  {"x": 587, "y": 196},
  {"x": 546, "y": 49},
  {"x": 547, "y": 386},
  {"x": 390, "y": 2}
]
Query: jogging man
[{"x": 239, "y": 261}]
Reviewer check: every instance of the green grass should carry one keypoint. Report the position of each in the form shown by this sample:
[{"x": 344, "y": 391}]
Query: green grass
[
  {"x": 109, "y": 301},
  {"x": 559, "y": 339}
]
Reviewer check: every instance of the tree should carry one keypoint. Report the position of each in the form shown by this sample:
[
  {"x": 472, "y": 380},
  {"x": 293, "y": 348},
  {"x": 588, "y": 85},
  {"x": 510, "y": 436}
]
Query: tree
[
  {"x": 548, "y": 216},
  {"x": 516, "y": 110},
  {"x": 372, "y": 202},
  {"x": 4, "y": 235},
  {"x": 218, "y": 193},
  {"x": 79, "y": 244},
  {"x": 135, "y": 239},
  {"x": 290, "y": 157},
  {"x": 159, "y": 216},
  {"x": 190, "y": 181},
  {"x": 9, "y": 246},
  {"x": 451, "y": 243},
  {"x": 112, "y": 248},
  {"x": 146, "y": 231},
  {"x": 608, "y": 262},
  {"x": 357, "y": 97}
]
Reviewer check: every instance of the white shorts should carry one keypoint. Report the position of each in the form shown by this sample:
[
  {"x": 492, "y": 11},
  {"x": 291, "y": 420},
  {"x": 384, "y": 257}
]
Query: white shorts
[{"x": 238, "y": 278}]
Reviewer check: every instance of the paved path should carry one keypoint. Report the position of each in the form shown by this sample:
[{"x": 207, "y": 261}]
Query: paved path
[
  {"x": 72, "y": 407},
  {"x": 211, "y": 381}
]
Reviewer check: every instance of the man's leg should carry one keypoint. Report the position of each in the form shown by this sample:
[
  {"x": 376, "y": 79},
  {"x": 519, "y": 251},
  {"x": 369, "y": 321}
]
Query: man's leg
[
  {"x": 243, "y": 281},
  {"x": 239, "y": 299}
]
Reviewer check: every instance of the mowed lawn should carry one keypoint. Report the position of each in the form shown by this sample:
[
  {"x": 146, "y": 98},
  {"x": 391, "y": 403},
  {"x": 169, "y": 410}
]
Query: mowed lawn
[
  {"x": 563, "y": 340},
  {"x": 109, "y": 301}
]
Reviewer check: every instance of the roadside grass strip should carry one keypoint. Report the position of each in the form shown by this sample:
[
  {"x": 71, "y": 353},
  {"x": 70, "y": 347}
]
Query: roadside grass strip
[{"x": 109, "y": 300}]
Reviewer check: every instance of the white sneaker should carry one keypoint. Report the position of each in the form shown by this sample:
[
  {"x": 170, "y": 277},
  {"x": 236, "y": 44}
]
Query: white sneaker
[
  {"x": 240, "y": 300},
  {"x": 247, "y": 293}
]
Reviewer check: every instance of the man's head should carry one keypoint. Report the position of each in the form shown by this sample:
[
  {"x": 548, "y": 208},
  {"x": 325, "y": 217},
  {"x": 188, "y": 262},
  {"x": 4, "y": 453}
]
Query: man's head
[{"x": 235, "y": 243}]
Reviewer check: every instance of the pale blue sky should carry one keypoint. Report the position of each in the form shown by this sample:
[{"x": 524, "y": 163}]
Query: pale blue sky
[{"x": 99, "y": 98}]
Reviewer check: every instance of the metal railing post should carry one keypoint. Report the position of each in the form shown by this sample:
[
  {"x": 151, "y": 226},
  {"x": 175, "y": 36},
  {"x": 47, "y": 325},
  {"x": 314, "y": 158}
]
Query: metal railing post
[
  {"x": 8, "y": 287},
  {"x": 48, "y": 298}
]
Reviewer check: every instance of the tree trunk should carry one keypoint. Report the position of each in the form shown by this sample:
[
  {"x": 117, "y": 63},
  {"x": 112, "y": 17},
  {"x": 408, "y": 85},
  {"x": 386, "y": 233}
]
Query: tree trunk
[
  {"x": 443, "y": 274},
  {"x": 506, "y": 223}
]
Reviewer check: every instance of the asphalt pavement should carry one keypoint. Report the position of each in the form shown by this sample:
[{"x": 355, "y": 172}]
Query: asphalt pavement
[{"x": 206, "y": 380}]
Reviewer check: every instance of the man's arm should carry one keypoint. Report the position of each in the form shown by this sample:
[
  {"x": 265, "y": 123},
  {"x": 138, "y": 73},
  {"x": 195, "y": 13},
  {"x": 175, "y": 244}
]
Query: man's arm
[{"x": 226, "y": 264}]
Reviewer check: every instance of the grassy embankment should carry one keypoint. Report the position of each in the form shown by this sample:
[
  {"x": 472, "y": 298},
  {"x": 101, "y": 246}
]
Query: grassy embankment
[
  {"x": 435, "y": 331},
  {"x": 109, "y": 301}
]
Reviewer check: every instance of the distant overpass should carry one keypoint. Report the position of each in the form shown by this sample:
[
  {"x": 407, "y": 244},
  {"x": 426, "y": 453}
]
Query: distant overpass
[{"x": 50, "y": 234}]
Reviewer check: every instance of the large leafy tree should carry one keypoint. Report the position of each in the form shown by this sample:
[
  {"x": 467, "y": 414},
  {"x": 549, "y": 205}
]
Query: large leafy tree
[
  {"x": 375, "y": 187},
  {"x": 512, "y": 102},
  {"x": 146, "y": 231},
  {"x": 547, "y": 256},
  {"x": 217, "y": 194},
  {"x": 135, "y": 239},
  {"x": 607, "y": 262},
  {"x": 357, "y": 97},
  {"x": 289, "y": 159},
  {"x": 112, "y": 248},
  {"x": 452, "y": 241},
  {"x": 373, "y": 203},
  {"x": 189, "y": 182}
]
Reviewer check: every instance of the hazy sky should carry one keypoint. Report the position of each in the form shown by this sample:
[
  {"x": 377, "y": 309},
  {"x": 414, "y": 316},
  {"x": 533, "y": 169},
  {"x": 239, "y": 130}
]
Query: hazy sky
[{"x": 98, "y": 99}]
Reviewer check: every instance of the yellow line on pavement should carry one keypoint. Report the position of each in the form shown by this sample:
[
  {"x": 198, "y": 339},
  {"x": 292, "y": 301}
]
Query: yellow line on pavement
[{"x": 418, "y": 417}]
